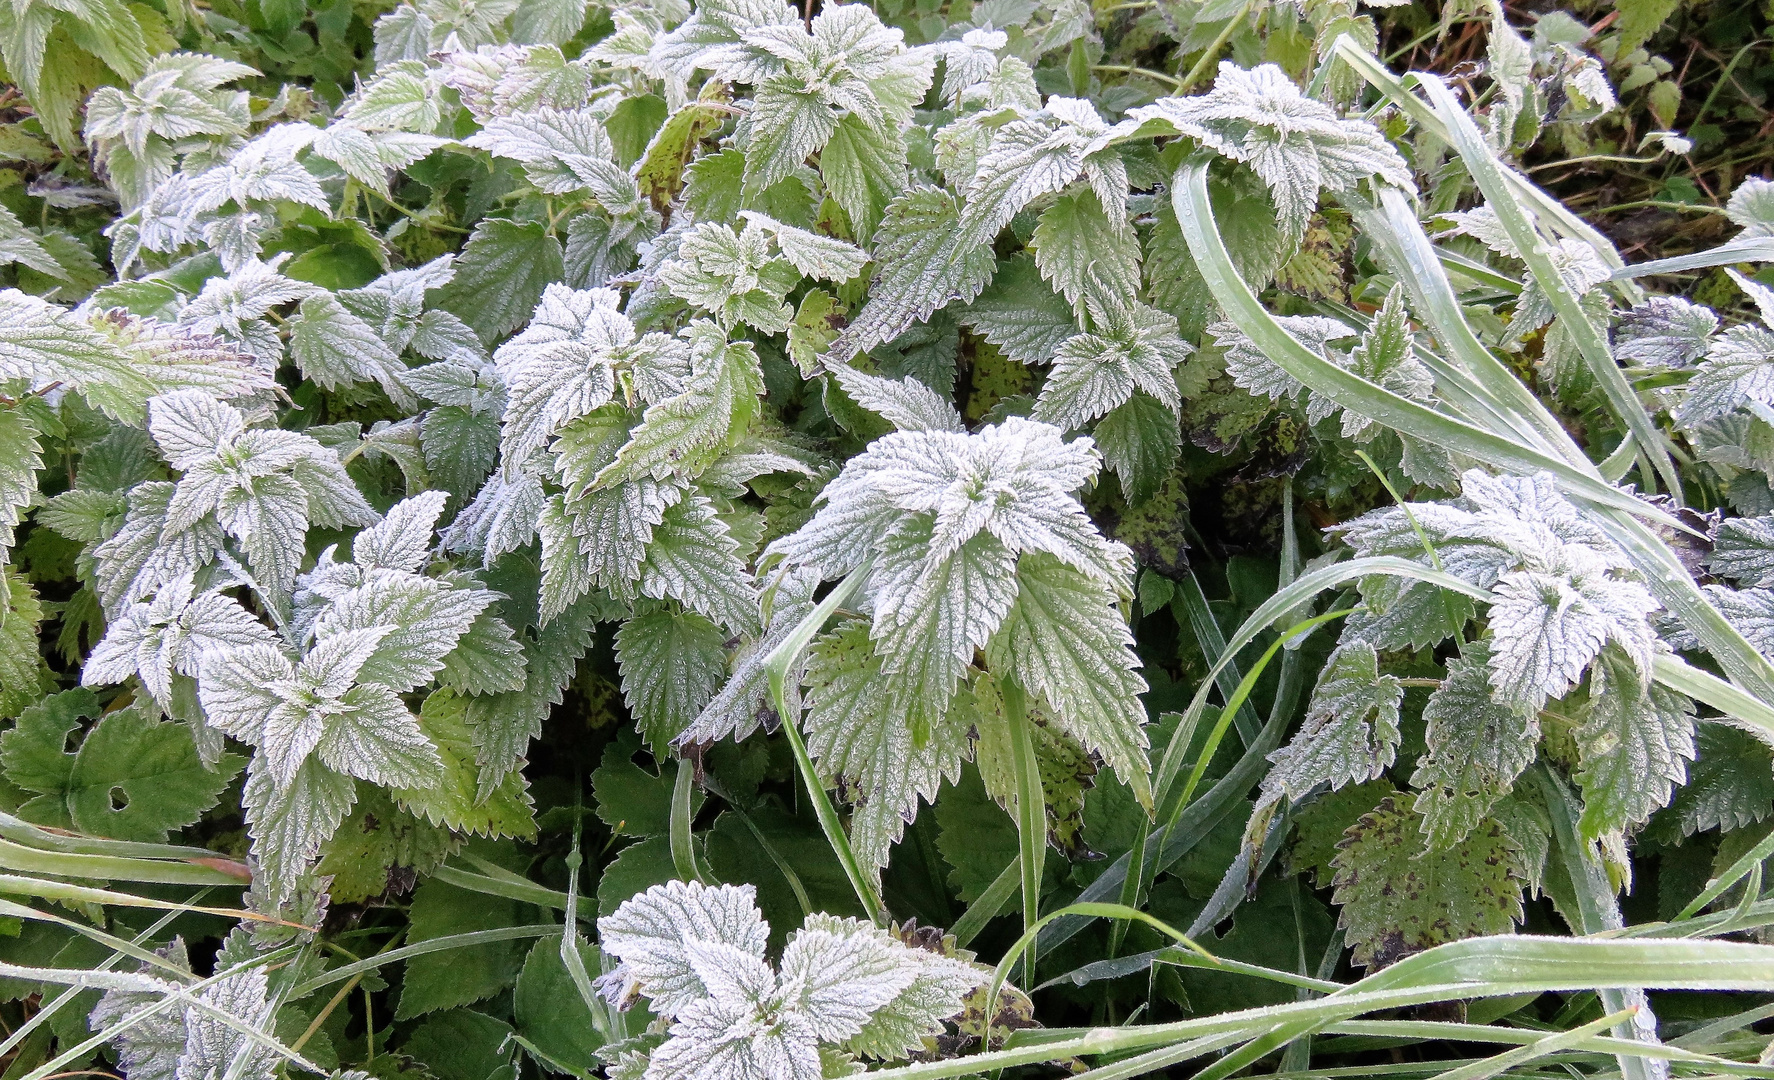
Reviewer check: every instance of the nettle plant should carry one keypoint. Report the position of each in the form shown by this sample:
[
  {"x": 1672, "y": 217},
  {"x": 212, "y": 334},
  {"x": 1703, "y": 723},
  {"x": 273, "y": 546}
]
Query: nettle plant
[{"x": 838, "y": 386}]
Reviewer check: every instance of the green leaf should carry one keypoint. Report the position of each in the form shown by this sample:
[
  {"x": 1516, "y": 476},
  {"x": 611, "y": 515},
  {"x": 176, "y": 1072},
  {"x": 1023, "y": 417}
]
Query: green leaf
[
  {"x": 503, "y": 724},
  {"x": 500, "y": 275},
  {"x": 1639, "y": 19},
  {"x": 466, "y": 974},
  {"x": 1633, "y": 749},
  {"x": 463, "y": 1044},
  {"x": 1477, "y": 746},
  {"x": 636, "y": 868},
  {"x": 672, "y": 664},
  {"x": 549, "y": 1011},
  {"x": 865, "y": 169},
  {"x": 128, "y": 778},
  {"x": 1021, "y": 314},
  {"x": 381, "y": 848},
  {"x": 21, "y": 666},
  {"x": 1084, "y": 253},
  {"x": 1400, "y": 897},
  {"x": 738, "y": 855},
  {"x": 461, "y": 800},
  {"x": 976, "y": 836},
  {"x": 1141, "y": 440},
  {"x": 628, "y": 798},
  {"x": 1730, "y": 784},
  {"x": 138, "y": 779}
]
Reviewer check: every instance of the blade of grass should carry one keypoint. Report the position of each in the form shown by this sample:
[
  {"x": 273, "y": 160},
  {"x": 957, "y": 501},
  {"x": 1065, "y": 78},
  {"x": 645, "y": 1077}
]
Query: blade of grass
[
  {"x": 782, "y": 660},
  {"x": 1031, "y": 813},
  {"x": 990, "y": 903},
  {"x": 1195, "y": 214},
  {"x": 1488, "y": 173}
]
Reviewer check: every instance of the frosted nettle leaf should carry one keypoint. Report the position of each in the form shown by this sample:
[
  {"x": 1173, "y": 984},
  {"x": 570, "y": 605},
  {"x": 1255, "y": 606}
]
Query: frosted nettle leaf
[
  {"x": 905, "y": 403},
  {"x": 171, "y": 633},
  {"x": 400, "y": 98},
  {"x": 149, "y": 1049},
  {"x": 969, "y": 61},
  {"x": 672, "y": 663},
  {"x": 1666, "y": 332},
  {"x": 1297, "y": 145},
  {"x": 933, "y": 610},
  {"x": 810, "y": 253},
  {"x": 842, "y": 972},
  {"x": 1092, "y": 374},
  {"x": 503, "y": 80},
  {"x": 613, "y": 527},
  {"x": 649, "y": 933},
  {"x": 732, "y": 276},
  {"x": 1743, "y": 549},
  {"x": 233, "y": 308},
  {"x": 21, "y": 455},
  {"x": 1252, "y": 369},
  {"x": 1020, "y": 314},
  {"x": 486, "y": 660},
  {"x": 1065, "y": 639},
  {"x": 170, "y": 357},
  {"x": 1477, "y": 747},
  {"x": 1751, "y": 611},
  {"x": 263, "y": 487},
  {"x": 1387, "y": 359},
  {"x": 1751, "y": 207},
  {"x": 214, "y": 1047},
  {"x": 859, "y": 732},
  {"x": 288, "y": 823},
  {"x": 1739, "y": 364},
  {"x": 1634, "y": 748},
  {"x": 562, "y": 152},
  {"x": 743, "y": 703},
  {"x": 1088, "y": 253},
  {"x": 171, "y": 100},
  {"x": 845, "y": 63},
  {"x": 1578, "y": 265},
  {"x": 843, "y": 983},
  {"x": 684, "y": 434},
  {"x": 1482, "y": 224},
  {"x": 335, "y": 348},
  {"x": 501, "y": 518},
  {"x": 1549, "y": 624},
  {"x": 145, "y": 553},
  {"x": 402, "y": 34},
  {"x": 1351, "y": 731},
  {"x": 291, "y": 710},
  {"x": 265, "y": 170},
  {"x": 694, "y": 559},
  {"x": 20, "y": 245},
  {"x": 41, "y": 343},
  {"x": 1014, "y": 480},
  {"x": 402, "y": 539},
  {"x": 564, "y": 365},
  {"x": 425, "y": 617},
  {"x": 920, "y": 267},
  {"x": 709, "y": 38}
]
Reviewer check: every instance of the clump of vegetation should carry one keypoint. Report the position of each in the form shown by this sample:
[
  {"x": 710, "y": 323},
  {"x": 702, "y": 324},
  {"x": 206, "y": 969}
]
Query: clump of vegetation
[{"x": 742, "y": 542}]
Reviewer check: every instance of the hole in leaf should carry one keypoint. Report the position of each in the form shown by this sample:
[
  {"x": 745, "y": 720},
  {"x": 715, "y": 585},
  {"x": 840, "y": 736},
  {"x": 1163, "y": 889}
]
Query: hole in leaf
[{"x": 119, "y": 799}]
